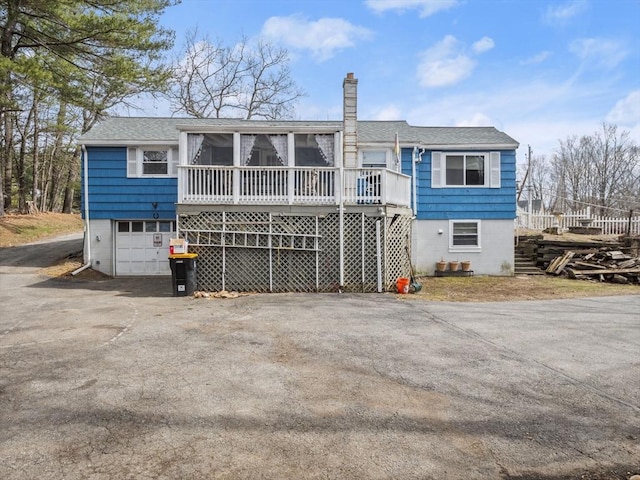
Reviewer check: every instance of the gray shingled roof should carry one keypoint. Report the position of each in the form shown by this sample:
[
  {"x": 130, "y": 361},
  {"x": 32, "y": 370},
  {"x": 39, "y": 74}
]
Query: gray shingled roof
[
  {"x": 385, "y": 131},
  {"x": 162, "y": 129}
]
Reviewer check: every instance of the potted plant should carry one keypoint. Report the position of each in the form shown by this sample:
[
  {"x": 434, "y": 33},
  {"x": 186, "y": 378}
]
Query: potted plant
[
  {"x": 454, "y": 265},
  {"x": 441, "y": 266},
  {"x": 465, "y": 265}
]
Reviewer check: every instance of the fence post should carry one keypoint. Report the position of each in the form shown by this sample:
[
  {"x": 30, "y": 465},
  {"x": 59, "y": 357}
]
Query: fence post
[{"x": 629, "y": 224}]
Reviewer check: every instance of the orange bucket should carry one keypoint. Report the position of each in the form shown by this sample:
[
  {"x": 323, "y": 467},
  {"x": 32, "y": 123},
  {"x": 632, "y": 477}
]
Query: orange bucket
[{"x": 402, "y": 285}]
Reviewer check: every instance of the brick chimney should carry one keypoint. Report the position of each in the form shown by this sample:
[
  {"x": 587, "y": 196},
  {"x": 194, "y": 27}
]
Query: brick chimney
[{"x": 350, "y": 121}]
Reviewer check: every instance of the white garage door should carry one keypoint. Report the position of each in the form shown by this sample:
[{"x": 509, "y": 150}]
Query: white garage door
[{"x": 142, "y": 247}]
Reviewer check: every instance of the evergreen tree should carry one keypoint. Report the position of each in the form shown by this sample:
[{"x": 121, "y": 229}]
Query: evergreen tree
[{"x": 90, "y": 54}]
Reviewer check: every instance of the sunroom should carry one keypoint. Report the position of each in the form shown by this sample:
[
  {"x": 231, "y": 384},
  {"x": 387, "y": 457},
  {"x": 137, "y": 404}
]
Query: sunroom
[{"x": 295, "y": 165}]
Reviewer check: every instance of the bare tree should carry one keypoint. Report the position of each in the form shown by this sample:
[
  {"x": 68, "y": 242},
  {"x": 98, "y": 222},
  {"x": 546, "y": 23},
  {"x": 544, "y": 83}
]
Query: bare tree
[
  {"x": 614, "y": 162},
  {"x": 539, "y": 180},
  {"x": 599, "y": 170},
  {"x": 248, "y": 81}
]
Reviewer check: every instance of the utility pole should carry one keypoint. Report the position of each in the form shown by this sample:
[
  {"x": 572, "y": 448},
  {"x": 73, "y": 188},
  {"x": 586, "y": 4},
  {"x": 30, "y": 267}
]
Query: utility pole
[
  {"x": 529, "y": 189},
  {"x": 526, "y": 181}
]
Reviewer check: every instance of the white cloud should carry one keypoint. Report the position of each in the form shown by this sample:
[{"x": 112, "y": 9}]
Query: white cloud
[
  {"x": 388, "y": 112},
  {"x": 626, "y": 111},
  {"x": 478, "y": 119},
  {"x": 537, "y": 58},
  {"x": 483, "y": 45},
  {"x": 600, "y": 52},
  {"x": 444, "y": 64},
  {"x": 564, "y": 12},
  {"x": 558, "y": 110},
  {"x": 323, "y": 37},
  {"x": 426, "y": 7}
]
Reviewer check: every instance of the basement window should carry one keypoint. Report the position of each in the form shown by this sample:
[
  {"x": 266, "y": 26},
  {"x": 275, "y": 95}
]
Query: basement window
[{"x": 464, "y": 235}]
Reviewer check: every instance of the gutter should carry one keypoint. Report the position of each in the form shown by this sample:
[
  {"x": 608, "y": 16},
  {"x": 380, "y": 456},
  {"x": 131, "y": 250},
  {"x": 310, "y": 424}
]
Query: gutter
[{"x": 87, "y": 232}]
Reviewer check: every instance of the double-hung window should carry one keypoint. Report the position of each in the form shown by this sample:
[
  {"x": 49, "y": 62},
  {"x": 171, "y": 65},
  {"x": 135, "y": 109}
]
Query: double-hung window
[
  {"x": 465, "y": 169},
  {"x": 464, "y": 235},
  {"x": 153, "y": 161}
]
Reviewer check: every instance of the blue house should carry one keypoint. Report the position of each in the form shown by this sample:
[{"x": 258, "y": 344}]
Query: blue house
[
  {"x": 463, "y": 195},
  {"x": 297, "y": 205}
]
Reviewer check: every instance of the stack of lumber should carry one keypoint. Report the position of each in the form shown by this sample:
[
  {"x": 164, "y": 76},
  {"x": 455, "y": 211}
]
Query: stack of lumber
[
  {"x": 604, "y": 264},
  {"x": 545, "y": 251}
]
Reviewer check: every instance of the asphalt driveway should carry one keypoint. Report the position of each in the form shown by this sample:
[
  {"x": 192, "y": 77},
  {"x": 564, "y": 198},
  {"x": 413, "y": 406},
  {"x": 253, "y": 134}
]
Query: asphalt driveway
[{"x": 116, "y": 378}]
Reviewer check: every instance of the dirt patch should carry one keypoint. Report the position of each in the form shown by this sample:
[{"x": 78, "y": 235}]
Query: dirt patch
[
  {"x": 64, "y": 268},
  {"x": 20, "y": 229},
  {"x": 499, "y": 289}
]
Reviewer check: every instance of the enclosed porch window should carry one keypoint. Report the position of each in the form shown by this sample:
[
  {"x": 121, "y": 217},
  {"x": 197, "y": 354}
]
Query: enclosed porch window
[
  {"x": 264, "y": 150},
  {"x": 314, "y": 150},
  {"x": 210, "y": 149}
]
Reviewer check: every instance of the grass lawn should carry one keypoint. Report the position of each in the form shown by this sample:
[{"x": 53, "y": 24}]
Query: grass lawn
[{"x": 21, "y": 229}]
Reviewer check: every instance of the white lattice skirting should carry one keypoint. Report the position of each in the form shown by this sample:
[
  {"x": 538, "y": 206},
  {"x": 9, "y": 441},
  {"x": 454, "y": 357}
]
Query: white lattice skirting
[{"x": 267, "y": 252}]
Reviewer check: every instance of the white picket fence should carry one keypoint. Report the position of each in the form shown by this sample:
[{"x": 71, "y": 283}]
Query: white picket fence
[{"x": 539, "y": 220}]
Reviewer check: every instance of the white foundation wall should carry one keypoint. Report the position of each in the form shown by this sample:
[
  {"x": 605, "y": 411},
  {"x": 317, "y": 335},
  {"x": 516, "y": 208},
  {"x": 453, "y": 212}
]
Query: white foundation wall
[
  {"x": 496, "y": 256},
  {"x": 101, "y": 238}
]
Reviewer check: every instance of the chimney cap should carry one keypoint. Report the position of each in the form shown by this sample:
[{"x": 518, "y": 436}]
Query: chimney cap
[{"x": 350, "y": 75}]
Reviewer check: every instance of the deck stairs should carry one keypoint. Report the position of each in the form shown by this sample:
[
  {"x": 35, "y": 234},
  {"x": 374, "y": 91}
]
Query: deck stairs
[{"x": 524, "y": 264}]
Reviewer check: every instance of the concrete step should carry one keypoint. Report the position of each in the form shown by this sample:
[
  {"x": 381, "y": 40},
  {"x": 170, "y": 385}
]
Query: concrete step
[{"x": 524, "y": 265}]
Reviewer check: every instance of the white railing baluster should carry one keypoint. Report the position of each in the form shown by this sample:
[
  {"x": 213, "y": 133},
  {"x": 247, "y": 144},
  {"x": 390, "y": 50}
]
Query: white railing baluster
[{"x": 207, "y": 184}]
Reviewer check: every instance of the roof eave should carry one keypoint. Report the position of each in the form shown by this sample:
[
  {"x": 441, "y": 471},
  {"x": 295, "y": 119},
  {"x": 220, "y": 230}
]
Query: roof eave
[
  {"x": 129, "y": 142},
  {"x": 473, "y": 146},
  {"x": 259, "y": 129},
  {"x": 469, "y": 146}
]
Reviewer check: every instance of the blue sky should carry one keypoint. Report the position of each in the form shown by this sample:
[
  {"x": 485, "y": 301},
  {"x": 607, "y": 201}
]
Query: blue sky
[{"x": 540, "y": 70}]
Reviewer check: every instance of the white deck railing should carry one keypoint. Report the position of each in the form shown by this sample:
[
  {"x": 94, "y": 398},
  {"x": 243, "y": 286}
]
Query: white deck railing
[{"x": 295, "y": 185}]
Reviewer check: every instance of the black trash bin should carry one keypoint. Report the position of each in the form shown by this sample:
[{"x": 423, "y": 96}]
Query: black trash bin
[{"x": 183, "y": 273}]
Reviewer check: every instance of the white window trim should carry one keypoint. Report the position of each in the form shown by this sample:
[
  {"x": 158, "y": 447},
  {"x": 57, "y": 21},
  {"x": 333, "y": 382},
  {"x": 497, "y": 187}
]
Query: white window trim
[
  {"x": 492, "y": 172},
  {"x": 387, "y": 152},
  {"x": 135, "y": 157},
  {"x": 465, "y": 248}
]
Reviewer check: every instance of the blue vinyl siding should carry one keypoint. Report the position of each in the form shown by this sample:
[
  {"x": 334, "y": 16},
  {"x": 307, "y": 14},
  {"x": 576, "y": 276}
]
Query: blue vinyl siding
[
  {"x": 114, "y": 196},
  {"x": 461, "y": 203}
]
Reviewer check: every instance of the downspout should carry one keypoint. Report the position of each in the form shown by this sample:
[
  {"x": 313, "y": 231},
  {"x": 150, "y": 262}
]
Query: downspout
[
  {"x": 415, "y": 159},
  {"x": 379, "y": 256},
  {"x": 341, "y": 218},
  {"x": 87, "y": 231}
]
